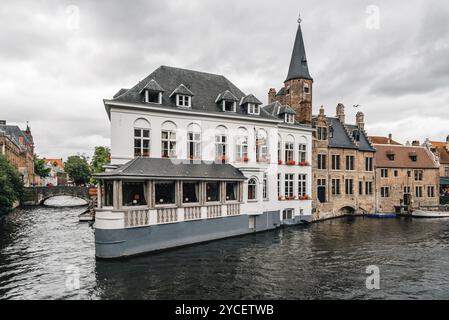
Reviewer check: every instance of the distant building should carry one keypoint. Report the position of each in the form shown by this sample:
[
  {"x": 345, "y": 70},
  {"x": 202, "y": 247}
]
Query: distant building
[
  {"x": 343, "y": 163},
  {"x": 57, "y": 177},
  {"x": 406, "y": 175},
  {"x": 18, "y": 148},
  {"x": 441, "y": 150}
]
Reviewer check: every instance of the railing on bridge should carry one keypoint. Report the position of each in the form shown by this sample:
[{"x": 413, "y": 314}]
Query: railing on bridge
[{"x": 37, "y": 195}]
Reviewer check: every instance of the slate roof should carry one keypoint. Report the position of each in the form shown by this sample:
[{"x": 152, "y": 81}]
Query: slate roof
[
  {"x": 280, "y": 92},
  {"x": 14, "y": 132},
  {"x": 298, "y": 64},
  {"x": 228, "y": 96},
  {"x": 402, "y": 157},
  {"x": 341, "y": 136},
  {"x": 153, "y": 86},
  {"x": 205, "y": 86},
  {"x": 157, "y": 168},
  {"x": 250, "y": 99},
  {"x": 120, "y": 92}
]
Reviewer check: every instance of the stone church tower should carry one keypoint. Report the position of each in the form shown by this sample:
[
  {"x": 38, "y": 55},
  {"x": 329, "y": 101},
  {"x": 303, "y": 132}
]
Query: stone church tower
[{"x": 297, "y": 90}]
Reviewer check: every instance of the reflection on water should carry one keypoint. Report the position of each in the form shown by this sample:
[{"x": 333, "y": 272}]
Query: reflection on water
[
  {"x": 64, "y": 201},
  {"x": 324, "y": 260}
]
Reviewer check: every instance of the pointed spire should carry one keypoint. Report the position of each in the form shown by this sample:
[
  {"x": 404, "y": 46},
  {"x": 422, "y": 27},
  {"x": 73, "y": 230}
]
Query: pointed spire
[{"x": 298, "y": 63}]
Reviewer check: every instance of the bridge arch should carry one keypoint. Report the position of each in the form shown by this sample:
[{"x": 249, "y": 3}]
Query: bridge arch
[
  {"x": 38, "y": 195},
  {"x": 347, "y": 211}
]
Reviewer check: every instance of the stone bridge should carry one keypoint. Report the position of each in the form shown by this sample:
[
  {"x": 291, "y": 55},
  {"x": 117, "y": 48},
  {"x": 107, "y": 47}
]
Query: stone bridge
[{"x": 35, "y": 196}]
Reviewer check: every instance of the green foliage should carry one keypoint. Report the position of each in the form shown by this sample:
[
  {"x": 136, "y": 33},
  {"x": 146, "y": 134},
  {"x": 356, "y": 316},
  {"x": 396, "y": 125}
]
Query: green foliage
[
  {"x": 77, "y": 167},
  {"x": 11, "y": 185},
  {"x": 102, "y": 156},
  {"x": 39, "y": 167}
]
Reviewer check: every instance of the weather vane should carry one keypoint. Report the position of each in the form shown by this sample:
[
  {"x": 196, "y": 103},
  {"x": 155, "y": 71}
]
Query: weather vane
[{"x": 299, "y": 18}]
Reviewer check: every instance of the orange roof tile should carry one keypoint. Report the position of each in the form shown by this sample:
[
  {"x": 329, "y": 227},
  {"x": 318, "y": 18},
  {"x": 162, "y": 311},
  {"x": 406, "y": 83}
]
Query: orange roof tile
[
  {"x": 55, "y": 162},
  {"x": 402, "y": 157},
  {"x": 382, "y": 140},
  {"x": 442, "y": 151}
]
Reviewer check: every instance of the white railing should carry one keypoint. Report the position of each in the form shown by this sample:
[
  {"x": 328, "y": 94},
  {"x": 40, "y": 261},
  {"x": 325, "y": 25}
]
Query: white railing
[
  {"x": 137, "y": 218},
  {"x": 233, "y": 209},
  {"x": 167, "y": 215},
  {"x": 214, "y": 211},
  {"x": 192, "y": 213}
]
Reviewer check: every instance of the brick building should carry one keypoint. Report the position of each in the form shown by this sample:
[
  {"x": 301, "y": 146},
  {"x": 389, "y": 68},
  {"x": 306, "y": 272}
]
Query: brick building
[
  {"x": 441, "y": 150},
  {"x": 57, "y": 177},
  {"x": 18, "y": 148},
  {"x": 405, "y": 175}
]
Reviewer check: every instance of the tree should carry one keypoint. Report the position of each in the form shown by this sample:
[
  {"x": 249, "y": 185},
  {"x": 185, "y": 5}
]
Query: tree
[
  {"x": 78, "y": 169},
  {"x": 102, "y": 156},
  {"x": 11, "y": 185},
  {"x": 39, "y": 167}
]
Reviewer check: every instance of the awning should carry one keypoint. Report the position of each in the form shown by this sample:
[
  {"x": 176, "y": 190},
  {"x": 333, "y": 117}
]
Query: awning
[
  {"x": 169, "y": 169},
  {"x": 444, "y": 181}
]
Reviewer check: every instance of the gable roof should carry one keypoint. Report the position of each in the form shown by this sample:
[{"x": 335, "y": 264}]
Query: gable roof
[
  {"x": 363, "y": 143},
  {"x": 14, "y": 133},
  {"x": 182, "y": 89},
  {"x": 442, "y": 151},
  {"x": 205, "y": 86},
  {"x": 402, "y": 157},
  {"x": 158, "y": 168},
  {"x": 227, "y": 95},
  {"x": 250, "y": 99},
  {"x": 299, "y": 68},
  {"x": 382, "y": 140},
  {"x": 153, "y": 86}
]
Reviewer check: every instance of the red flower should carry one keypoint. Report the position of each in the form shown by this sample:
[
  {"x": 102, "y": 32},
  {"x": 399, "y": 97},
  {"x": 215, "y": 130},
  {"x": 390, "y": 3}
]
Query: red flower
[{"x": 291, "y": 162}]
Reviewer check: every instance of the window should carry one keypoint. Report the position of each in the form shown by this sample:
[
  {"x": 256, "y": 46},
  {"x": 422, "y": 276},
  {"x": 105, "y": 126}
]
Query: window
[
  {"x": 418, "y": 175},
  {"x": 168, "y": 144},
  {"x": 252, "y": 189},
  {"x": 306, "y": 88},
  {"x": 194, "y": 145},
  {"x": 133, "y": 193},
  {"x": 279, "y": 184},
  {"x": 265, "y": 186},
  {"x": 321, "y": 190},
  {"x": 349, "y": 186},
  {"x": 141, "y": 142},
  {"x": 322, "y": 161},
  {"x": 289, "y": 180},
  {"x": 108, "y": 193},
  {"x": 409, "y": 174},
  {"x": 368, "y": 164},
  {"x": 360, "y": 187},
  {"x": 321, "y": 133},
  {"x": 183, "y": 101},
  {"x": 350, "y": 163},
  {"x": 391, "y": 156},
  {"x": 241, "y": 146},
  {"x": 384, "y": 173},
  {"x": 368, "y": 187},
  {"x": 414, "y": 158},
  {"x": 396, "y": 173},
  {"x": 287, "y": 214},
  {"x": 212, "y": 191},
  {"x": 302, "y": 185},
  {"x": 231, "y": 191},
  {"x": 356, "y": 135},
  {"x": 335, "y": 186},
  {"x": 289, "y": 118},
  {"x": 407, "y": 189},
  {"x": 279, "y": 150},
  {"x": 289, "y": 151},
  {"x": 164, "y": 192},
  {"x": 302, "y": 155},
  {"x": 385, "y": 192},
  {"x": 221, "y": 147},
  {"x": 253, "y": 108},
  {"x": 190, "y": 192},
  {"x": 335, "y": 162},
  {"x": 418, "y": 192},
  {"x": 229, "y": 106},
  {"x": 431, "y": 191},
  {"x": 153, "y": 96}
]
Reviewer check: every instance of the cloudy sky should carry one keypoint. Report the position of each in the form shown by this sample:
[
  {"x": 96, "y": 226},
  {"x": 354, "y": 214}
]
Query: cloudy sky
[{"x": 59, "y": 59}]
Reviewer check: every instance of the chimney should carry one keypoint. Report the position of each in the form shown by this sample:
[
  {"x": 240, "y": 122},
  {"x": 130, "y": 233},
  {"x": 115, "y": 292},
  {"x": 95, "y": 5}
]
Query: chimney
[
  {"x": 447, "y": 143},
  {"x": 271, "y": 94},
  {"x": 415, "y": 143},
  {"x": 390, "y": 138},
  {"x": 341, "y": 112},
  {"x": 2, "y": 122},
  {"x": 360, "y": 120}
]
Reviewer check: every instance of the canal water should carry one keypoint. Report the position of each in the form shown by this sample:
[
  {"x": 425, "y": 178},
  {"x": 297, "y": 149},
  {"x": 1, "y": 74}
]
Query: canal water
[{"x": 46, "y": 254}]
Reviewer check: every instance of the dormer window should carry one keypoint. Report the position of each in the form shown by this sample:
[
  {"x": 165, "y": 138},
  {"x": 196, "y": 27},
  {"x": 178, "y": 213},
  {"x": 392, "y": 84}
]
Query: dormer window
[
  {"x": 289, "y": 118},
  {"x": 229, "y": 106},
  {"x": 152, "y": 92},
  {"x": 253, "y": 108},
  {"x": 356, "y": 135},
  {"x": 183, "y": 101}
]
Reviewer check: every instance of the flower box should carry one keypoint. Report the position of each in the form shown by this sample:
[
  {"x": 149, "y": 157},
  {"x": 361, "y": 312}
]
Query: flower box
[
  {"x": 304, "y": 197},
  {"x": 222, "y": 158},
  {"x": 279, "y": 161},
  {"x": 303, "y": 163},
  {"x": 245, "y": 159},
  {"x": 291, "y": 162},
  {"x": 280, "y": 198},
  {"x": 291, "y": 198}
]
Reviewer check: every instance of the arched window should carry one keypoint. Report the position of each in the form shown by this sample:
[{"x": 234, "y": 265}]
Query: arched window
[
  {"x": 261, "y": 146},
  {"x": 241, "y": 146},
  {"x": 141, "y": 138},
  {"x": 194, "y": 141},
  {"x": 252, "y": 189},
  {"x": 289, "y": 148},
  {"x": 168, "y": 140},
  {"x": 221, "y": 144}
]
